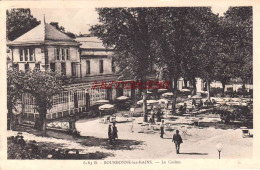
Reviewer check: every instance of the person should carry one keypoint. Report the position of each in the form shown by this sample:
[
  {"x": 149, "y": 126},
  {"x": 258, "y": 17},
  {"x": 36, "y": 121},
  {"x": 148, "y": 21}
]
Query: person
[
  {"x": 194, "y": 102},
  {"x": 153, "y": 116},
  {"x": 158, "y": 114},
  {"x": 132, "y": 126},
  {"x": 114, "y": 132},
  {"x": 162, "y": 128},
  {"x": 200, "y": 104},
  {"x": 110, "y": 133},
  {"x": 177, "y": 141}
]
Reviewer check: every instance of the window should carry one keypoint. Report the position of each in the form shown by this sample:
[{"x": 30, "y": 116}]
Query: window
[
  {"x": 26, "y": 67},
  {"x": 57, "y": 53},
  {"x": 68, "y": 53},
  {"x": 73, "y": 69},
  {"x": 63, "y": 68},
  {"x": 63, "y": 54},
  {"x": 52, "y": 66},
  {"x": 113, "y": 66},
  {"x": 101, "y": 66},
  {"x": 31, "y": 54},
  {"x": 26, "y": 54},
  {"x": 37, "y": 66},
  {"x": 88, "y": 67},
  {"x": 21, "y": 55}
]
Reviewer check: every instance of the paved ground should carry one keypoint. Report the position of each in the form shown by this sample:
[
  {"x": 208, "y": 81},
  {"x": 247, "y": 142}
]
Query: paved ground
[{"x": 198, "y": 142}]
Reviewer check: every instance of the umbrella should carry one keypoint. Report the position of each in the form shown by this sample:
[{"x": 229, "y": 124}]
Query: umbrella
[
  {"x": 167, "y": 94},
  {"x": 163, "y": 101},
  {"x": 122, "y": 98},
  {"x": 148, "y": 101},
  {"x": 152, "y": 101},
  {"x": 102, "y": 102},
  {"x": 162, "y": 90},
  {"x": 185, "y": 90},
  {"x": 106, "y": 106},
  {"x": 140, "y": 102},
  {"x": 196, "y": 97}
]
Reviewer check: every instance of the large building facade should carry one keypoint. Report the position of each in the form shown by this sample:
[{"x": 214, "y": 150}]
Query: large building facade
[{"x": 44, "y": 47}]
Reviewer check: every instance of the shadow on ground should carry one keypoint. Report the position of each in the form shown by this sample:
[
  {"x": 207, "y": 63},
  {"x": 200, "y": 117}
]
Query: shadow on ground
[
  {"x": 47, "y": 150},
  {"x": 194, "y": 153},
  {"x": 89, "y": 141}
]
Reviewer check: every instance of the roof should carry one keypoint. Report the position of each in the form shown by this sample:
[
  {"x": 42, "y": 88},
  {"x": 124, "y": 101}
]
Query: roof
[
  {"x": 42, "y": 33},
  {"x": 90, "y": 43}
]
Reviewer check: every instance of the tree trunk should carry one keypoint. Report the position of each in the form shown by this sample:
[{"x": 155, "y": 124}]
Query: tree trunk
[
  {"x": 174, "y": 95},
  {"x": 194, "y": 86},
  {"x": 244, "y": 88},
  {"x": 223, "y": 87},
  {"x": 145, "y": 105},
  {"x": 43, "y": 120},
  {"x": 208, "y": 89}
]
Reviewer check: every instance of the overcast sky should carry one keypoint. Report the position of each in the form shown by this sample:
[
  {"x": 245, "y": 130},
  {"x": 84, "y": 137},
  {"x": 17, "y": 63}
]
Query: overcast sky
[{"x": 79, "y": 20}]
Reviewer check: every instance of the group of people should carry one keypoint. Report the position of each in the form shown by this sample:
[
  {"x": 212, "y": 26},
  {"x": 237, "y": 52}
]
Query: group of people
[
  {"x": 112, "y": 133},
  {"x": 155, "y": 113}
]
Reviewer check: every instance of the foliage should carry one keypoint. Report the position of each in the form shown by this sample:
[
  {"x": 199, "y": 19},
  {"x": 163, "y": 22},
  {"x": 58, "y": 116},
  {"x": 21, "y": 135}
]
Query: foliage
[
  {"x": 43, "y": 85},
  {"x": 128, "y": 31},
  {"x": 15, "y": 85},
  {"x": 18, "y": 22},
  {"x": 15, "y": 89},
  {"x": 238, "y": 25}
]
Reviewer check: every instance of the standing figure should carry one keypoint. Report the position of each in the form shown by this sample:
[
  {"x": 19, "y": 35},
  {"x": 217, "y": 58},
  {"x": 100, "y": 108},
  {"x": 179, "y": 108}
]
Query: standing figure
[
  {"x": 193, "y": 104},
  {"x": 114, "y": 132},
  {"x": 162, "y": 128},
  {"x": 158, "y": 114},
  {"x": 110, "y": 134},
  {"x": 177, "y": 140},
  {"x": 132, "y": 127}
]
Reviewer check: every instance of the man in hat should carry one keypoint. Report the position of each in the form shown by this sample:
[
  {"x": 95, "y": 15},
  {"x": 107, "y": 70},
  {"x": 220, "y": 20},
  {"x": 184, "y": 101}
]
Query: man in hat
[{"x": 177, "y": 140}]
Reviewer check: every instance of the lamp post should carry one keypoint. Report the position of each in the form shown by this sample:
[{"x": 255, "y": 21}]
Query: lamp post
[{"x": 219, "y": 147}]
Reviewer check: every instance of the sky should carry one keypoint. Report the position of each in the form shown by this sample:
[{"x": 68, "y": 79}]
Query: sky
[{"x": 79, "y": 20}]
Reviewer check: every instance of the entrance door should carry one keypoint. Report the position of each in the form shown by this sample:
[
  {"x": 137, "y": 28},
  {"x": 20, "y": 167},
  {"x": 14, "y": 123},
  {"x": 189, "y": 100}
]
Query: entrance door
[
  {"x": 109, "y": 94},
  {"x": 133, "y": 94},
  {"x": 119, "y": 92}
]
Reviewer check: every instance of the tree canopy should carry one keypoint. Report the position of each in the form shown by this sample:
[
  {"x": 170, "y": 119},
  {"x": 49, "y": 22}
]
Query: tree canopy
[{"x": 18, "y": 22}]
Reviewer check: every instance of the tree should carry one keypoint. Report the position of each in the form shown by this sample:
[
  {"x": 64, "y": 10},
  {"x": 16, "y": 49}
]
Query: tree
[
  {"x": 178, "y": 47},
  {"x": 15, "y": 89},
  {"x": 238, "y": 25},
  {"x": 43, "y": 85},
  {"x": 18, "y": 22},
  {"x": 209, "y": 47},
  {"x": 128, "y": 32}
]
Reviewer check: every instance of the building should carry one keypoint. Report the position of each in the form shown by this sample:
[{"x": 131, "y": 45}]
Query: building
[
  {"x": 96, "y": 60},
  {"x": 44, "y": 47}
]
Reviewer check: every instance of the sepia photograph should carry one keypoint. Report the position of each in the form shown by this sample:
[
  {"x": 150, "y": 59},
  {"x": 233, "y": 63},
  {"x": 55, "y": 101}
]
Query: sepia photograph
[{"x": 129, "y": 83}]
